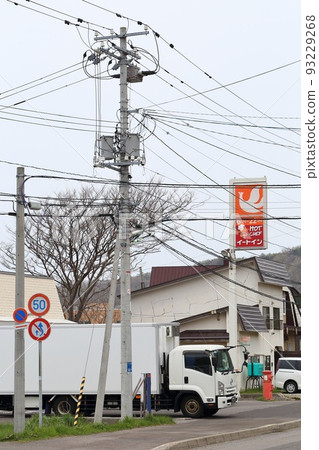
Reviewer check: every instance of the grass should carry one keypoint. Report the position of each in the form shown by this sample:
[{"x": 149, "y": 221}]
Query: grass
[
  {"x": 55, "y": 426},
  {"x": 259, "y": 390}
]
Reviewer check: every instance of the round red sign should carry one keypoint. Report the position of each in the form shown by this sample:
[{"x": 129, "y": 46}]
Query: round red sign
[
  {"x": 39, "y": 329},
  {"x": 39, "y": 304}
]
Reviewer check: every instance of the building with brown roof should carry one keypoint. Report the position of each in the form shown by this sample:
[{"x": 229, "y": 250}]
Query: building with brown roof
[{"x": 199, "y": 299}]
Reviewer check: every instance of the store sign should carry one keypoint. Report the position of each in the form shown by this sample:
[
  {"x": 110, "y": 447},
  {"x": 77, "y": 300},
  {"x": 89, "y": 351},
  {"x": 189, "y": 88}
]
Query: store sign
[{"x": 248, "y": 200}]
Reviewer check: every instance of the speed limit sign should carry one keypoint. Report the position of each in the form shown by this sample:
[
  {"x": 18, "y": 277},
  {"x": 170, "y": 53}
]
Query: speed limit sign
[{"x": 39, "y": 304}]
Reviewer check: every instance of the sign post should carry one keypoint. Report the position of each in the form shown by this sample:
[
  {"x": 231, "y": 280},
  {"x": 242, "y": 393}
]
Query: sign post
[
  {"x": 248, "y": 230},
  {"x": 39, "y": 329}
]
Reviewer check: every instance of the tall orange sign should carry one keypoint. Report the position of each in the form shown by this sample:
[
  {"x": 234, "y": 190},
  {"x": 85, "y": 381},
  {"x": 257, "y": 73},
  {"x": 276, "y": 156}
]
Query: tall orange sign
[{"x": 248, "y": 209}]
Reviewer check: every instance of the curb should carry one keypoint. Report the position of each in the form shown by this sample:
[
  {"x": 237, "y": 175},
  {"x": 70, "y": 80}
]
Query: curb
[
  {"x": 276, "y": 396},
  {"x": 220, "y": 438}
]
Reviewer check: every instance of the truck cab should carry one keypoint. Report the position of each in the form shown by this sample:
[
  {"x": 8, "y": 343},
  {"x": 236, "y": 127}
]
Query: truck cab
[{"x": 203, "y": 377}]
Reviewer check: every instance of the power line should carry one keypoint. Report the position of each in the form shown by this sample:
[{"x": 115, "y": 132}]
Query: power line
[
  {"x": 244, "y": 126},
  {"x": 171, "y": 114},
  {"x": 223, "y": 107},
  {"x": 41, "y": 80},
  {"x": 203, "y": 172},
  {"x": 224, "y": 116},
  {"x": 223, "y": 243},
  {"x": 155, "y": 114},
  {"x": 203, "y": 247},
  {"x": 172, "y": 46},
  {"x": 215, "y": 272},
  {"x": 233, "y": 153},
  {"x": 220, "y": 148},
  {"x": 213, "y": 186},
  {"x": 49, "y": 125},
  {"x": 45, "y": 169},
  {"x": 233, "y": 83},
  {"x": 78, "y": 20},
  {"x": 66, "y": 116}
]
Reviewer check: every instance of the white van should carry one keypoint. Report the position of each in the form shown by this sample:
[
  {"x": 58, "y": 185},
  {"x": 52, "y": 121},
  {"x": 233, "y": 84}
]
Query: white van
[{"x": 288, "y": 375}]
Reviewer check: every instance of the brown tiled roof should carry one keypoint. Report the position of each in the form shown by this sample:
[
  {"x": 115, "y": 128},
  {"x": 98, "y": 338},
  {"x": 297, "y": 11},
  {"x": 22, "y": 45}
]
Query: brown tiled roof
[
  {"x": 160, "y": 275},
  {"x": 251, "y": 318}
]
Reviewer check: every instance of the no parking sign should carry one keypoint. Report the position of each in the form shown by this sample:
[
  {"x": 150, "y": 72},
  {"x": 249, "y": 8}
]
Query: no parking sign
[{"x": 20, "y": 315}]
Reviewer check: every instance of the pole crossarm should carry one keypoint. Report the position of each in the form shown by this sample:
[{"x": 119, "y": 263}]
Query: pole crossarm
[{"x": 118, "y": 36}]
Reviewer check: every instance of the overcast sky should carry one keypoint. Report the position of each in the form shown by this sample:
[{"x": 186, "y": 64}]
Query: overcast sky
[{"x": 204, "y": 133}]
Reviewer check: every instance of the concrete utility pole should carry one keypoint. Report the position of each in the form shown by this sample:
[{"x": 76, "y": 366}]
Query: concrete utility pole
[
  {"x": 123, "y": 157},
  {"x": 124, "y": 230},
  {"x": 19, "y": 360},
  {"x": 107, "y": 337}
]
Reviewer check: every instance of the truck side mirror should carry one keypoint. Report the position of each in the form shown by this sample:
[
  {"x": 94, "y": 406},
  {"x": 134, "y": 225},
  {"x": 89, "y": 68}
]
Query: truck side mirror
[{"x": 246, "y": 354}]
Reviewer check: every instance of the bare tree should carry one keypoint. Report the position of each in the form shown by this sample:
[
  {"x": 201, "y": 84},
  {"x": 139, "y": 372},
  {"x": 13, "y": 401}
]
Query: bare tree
[{"x": 73, "y": 239}]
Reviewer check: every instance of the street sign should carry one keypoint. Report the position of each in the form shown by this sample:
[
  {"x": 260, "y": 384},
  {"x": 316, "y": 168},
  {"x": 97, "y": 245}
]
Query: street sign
[
  {"x": 39, "y": 304},
  {"x": 20, "y": 315},
  {"x": 248, "y": 209},
  {"x": 39, "y": 329}
]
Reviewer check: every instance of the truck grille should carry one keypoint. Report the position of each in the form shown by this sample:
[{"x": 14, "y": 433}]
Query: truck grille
[{"x": 230, "y": 390}]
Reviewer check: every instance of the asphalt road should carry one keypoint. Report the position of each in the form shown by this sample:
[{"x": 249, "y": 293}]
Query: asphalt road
[
  {"x": 246, "y": 415},
  {"x": 285, "y": 440}
]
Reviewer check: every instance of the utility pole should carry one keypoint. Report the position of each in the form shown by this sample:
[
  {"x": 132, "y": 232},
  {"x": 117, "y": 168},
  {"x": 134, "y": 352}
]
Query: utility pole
[
  {"x": 19, "y": 360},
  {"x": 124, "y": 230},
  {"x": 126, "y": 153},
  {"x": 107, "y": 337}
]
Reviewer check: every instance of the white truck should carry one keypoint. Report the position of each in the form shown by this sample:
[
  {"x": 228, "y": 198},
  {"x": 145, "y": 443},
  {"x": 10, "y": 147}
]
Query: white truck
[{"x": 196, "y": 379}]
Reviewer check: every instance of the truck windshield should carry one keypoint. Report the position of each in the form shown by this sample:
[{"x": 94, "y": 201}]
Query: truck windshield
[{"x": 222, "y": 361}]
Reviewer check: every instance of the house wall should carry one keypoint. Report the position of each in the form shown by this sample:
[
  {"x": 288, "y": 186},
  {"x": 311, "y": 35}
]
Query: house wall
[
  {"x": 206, "y": 323},
  {"x": 188, "y": 297},
  {"x": 192, "y": 296},
  {"x": 33, "y": 285},
  {"x": 177, "y": 300}
]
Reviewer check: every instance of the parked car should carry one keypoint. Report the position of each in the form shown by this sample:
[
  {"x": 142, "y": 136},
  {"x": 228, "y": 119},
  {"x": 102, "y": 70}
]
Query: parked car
[{"x": 288, "y": 374}]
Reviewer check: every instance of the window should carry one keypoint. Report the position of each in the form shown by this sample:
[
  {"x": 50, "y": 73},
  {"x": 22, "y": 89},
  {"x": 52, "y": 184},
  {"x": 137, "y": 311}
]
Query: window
[
  {"x": 277, "y": 322},
  {"x": 199, "y": 361},
  {"x": 266, "y": 314},
  {"x": 222, "y": 361},
  {"x": 291, "y": 364}
]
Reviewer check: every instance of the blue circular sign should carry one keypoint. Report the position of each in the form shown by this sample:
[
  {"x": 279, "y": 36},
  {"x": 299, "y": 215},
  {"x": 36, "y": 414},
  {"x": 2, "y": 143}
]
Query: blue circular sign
[{"x": 20, "y": 315}]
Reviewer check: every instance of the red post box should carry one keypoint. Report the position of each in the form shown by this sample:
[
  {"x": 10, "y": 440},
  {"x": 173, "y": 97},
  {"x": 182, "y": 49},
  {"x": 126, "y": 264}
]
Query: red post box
[{"x": 267, "y": 384}]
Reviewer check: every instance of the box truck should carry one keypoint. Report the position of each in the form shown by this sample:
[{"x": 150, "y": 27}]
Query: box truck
[{"x": 196, "y": 379}]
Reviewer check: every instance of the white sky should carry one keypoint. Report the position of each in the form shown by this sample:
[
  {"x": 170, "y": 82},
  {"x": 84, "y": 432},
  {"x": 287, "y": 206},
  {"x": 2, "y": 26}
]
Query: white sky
[{"x": 229, "y": 40}]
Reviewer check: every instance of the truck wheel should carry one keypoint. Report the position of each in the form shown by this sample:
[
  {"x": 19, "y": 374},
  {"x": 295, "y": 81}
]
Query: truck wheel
[
  {"x": 291, "y": 387},
  {"x": 192, "y": 406},
  {"x": 64, "y": 405}
]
